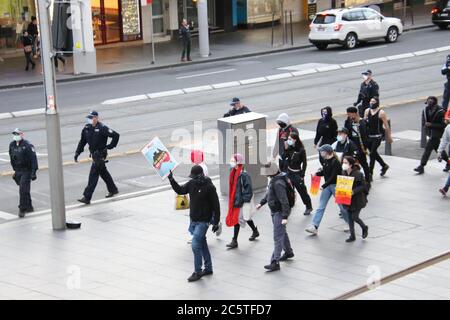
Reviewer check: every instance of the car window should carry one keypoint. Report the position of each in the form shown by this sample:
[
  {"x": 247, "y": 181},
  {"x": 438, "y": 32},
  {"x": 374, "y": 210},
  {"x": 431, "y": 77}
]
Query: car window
[
  {"x": 357, "y": 15},
  {"x": 346, "y": 17},
  {"x": 371, "y": 14},
  {"x": 324, "y": 19}
]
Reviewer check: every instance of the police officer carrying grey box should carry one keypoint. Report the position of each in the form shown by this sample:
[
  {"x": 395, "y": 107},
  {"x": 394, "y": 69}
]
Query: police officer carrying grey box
[
  {"x": 96, "y": 135},
  {"x": 24, "y": 163}
]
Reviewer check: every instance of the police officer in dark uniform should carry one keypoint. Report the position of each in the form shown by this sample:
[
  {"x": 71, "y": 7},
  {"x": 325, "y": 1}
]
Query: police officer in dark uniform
[
  {"x": 369, "y": 89},
  {"x": 96, "y": 135},
  {"x": 24, "y": 163}
]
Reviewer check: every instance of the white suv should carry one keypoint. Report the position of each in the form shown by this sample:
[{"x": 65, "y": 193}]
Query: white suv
[{"x": 352, "y": 26}]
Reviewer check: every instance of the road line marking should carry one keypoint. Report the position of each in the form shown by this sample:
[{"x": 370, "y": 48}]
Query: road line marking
[
  {"x": 304, "y": 72},
  {"x": 30, "y": 112},
  {"x": 424, "y": 52},
  {"x": 197, "y": 89},
  {"x": 279, "y": 76},
  {"x": 205, "y": 74},
  {"x": 126, "y": 99},
  {"x": 440, "y": 49},
  {"x": 376, "y": 60},
  {"x": 400, "y": 56},
  {"x": 226, "y": 85},
  {"x": 328, "y": 68},
  {"x": 352, "y": 64},
  {"x": 364, "y": 49},
  {"x": 168, "y": 93},
  {"x": 7, "y": 216},
  {"x": 6, "y": 115},
  {"x": 253, "y": 80}
]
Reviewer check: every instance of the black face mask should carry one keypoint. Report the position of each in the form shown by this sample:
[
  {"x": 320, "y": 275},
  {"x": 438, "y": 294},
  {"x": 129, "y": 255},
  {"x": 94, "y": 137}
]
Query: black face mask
[
  {"x": 282, "y": 125},
  {"x": 373, "y": 105},
  {"x": 430, "y": 103}
]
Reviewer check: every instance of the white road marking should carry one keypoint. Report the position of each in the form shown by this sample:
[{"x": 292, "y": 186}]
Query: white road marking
[
  {"x": 376, "y": 60},
  {"x": 253, "y": 80},
  {"x": 279, "y": 76},
  {"x": 304, "y": 66},
  {"x": 226, "y": 85},
  {"x": 165, "y": 94},
  {"x": 197, "y": 89},
  {"x": 304, "y": 72},
  {"x": 329, "y": 68},
  {"x": 352, "y": 64},
  {"x": 424, "y": 52},
  {"x": 7, "y": 216},
  {"x": 364, "y": 49},
  {"x": 126, "y": 99},
  {"x": 205, "y": 74},
  {"x": 6, "y": 115},
  {"x": 401, "y": 56},
  {"x": 441, "y": 49},
  {"x": 30, "y": 112}
]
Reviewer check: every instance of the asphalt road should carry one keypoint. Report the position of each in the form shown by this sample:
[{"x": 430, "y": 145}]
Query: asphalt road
[{"x": 91, "y": 92}]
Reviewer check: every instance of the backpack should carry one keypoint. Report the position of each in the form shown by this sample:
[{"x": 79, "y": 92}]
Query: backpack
[{"x": 290, "y": 192}]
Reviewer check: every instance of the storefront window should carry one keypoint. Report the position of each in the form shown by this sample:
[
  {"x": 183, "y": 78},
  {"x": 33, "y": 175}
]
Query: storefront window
[
  {"x": 14, "y": 17},
  {"x": 260, "y": 11}
]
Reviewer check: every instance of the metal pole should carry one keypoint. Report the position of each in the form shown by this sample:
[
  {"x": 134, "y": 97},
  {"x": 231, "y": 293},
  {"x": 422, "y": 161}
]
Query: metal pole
[
  {"x": 282, "y": 22},
  {"x": 285, "y": 27},
  {"x": 203, "y": 30},
  {"x": 292, "y": 32},
  {"x": 52, "y": 121},
  {"x": 273, "y": 25},
  {"x": 151, "y": 34}
]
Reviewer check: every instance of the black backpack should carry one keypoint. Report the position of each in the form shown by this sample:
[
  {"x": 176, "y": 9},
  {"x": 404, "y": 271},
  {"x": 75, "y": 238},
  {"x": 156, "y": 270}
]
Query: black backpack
[{"x": 290, "y": 192}]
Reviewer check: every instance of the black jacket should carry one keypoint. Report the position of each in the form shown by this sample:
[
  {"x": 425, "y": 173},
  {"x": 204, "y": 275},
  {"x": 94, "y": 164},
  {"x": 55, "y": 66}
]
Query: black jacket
[
  {"x": 283, "y": 134},
  {"x": 436, "y": 117},
  {"x": 368, "y": 91},
  {"x": 97, "y": 138},
  {"x": 32, "y": 29},
  {"x": 361, "y": 130},
  {"x": 444, "y": 70},
  {"x": 327, "y": 130},
  {"x": 185, "y": 33},
  {"x": 204, "y": 201},
  {"x": 297, "y": 161},
  {"x": 244, "y": 190},
  {"x": 348, "y": 148},
  {"x": 27, "y": 41},
  {"x": 234, "y": 112},
  {"x": 276, "y": 196},
  {"x": 331, "y": 169},
  {"x": 359, "y": 191},
  {"x": 22, "y": 156}
]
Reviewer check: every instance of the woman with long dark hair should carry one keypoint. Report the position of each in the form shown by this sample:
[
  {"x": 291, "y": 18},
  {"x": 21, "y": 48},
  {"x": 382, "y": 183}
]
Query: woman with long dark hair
[{"x": 296, "y": 157}]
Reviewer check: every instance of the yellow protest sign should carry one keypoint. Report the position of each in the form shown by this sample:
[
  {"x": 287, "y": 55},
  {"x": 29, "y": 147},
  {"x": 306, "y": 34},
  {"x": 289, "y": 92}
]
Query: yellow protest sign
[{"x": 344, "y": 186}]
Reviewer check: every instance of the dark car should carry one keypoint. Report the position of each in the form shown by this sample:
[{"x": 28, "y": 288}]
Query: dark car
[{"x": 441, "y": 14}]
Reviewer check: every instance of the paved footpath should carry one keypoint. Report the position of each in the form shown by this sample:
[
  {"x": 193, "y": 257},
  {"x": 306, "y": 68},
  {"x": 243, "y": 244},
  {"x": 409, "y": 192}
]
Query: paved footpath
[{"x": 136, "y": 249}]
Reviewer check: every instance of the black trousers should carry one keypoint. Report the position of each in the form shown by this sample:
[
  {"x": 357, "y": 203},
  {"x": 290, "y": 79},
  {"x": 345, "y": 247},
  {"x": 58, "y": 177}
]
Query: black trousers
[
  {"x": 59, "y": 57},
  {"x": 98, "y": 169},
  {"x": 186, "y": 49},
  {"x": 432, "y": 144},
  {"x": 362, "y": 159},
  {"x": 28, "y": 60},
  {"x": 353, "y": 216},
  {"x": 373, "y": 144},
  {"x": 446, "y": 95},
  {"x": 23, "y": 179},
  {"x": 299, "y": 184},
  {"x": 362, "y": 108}
]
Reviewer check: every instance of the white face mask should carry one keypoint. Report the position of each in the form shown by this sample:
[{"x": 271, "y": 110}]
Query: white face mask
[
  {"x": 340, "y": 138},
  {"x": 345, "y": 166},
  {"x": 17, "y": 138},
  {"x": 365, "y": 78},
  {"x": 290, "y": 142},
  {"x": 233, "y": 164}
]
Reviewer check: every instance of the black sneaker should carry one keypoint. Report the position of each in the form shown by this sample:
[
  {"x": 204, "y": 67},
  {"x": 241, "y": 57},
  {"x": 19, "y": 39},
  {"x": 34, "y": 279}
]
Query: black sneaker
[
  {"x": 112, "y": 194},
  {"x": 351, "y": 239},
  {"x": 233, "y": 244},
  {"x": 286, "y": 256},
  {"x": 206, "y": 273},
  {"x": 195, "y": 277},
  {"x": 84, "y": 200},
  {"x": 447, "y": 168},
  {"x": 255, "y": 235},
  {"x": 274, "y": 266},
  {"x": 419, "y": 170},
  {"x": 29, "y": 210},
  {"x": 308, "y": 211},
  {"x": 21, "y": 213},
  {"x": 384, "y": 170},
  {"x": 365, "y": 232}
]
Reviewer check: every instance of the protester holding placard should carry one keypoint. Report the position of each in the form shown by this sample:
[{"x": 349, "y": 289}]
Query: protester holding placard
[{"x": 358, "y": 197}]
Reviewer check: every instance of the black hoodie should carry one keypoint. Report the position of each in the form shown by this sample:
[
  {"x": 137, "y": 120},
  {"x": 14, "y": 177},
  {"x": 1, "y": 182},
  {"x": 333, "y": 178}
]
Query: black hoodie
[
  {"x": 326, "y": 129},
  {"x": 204, "y": 201}
]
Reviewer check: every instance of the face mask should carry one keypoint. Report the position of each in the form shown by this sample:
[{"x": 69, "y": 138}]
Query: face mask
[
  {"x": 345, "y": 166},
  {"x": 233, "y": 165},
  {"x": 89, "y": 121},
  {"x": 324, "y": 115},
  {"x": 290, "y": 142},
  {"x": 341, "y": 139},
  {"x": 365, "y": 78},
  {"x": 373, "y": 105},
  {"x": 282, "y": 124},
  {"x": 17, "y": 137}
]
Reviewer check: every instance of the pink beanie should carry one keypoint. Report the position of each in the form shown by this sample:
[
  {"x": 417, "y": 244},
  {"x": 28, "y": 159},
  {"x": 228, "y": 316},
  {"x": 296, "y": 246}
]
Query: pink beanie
[{"x": 239, "y": 158}]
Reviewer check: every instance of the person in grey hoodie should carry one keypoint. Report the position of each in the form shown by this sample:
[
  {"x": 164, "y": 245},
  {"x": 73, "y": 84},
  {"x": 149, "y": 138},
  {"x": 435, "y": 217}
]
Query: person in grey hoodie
[
  {"x": 281, "y": 146},
  {"x": 277, "y": 199}
]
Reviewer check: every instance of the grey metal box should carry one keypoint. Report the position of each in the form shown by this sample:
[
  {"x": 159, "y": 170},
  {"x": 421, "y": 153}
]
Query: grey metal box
[{"x": 244, "y": 134}]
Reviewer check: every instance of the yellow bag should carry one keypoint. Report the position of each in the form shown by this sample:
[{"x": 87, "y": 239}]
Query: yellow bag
[{"x": 181, "y": 202}]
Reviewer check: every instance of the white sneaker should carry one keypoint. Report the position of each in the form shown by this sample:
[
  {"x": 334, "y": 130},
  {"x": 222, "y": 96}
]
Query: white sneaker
[{"x": 312, "y": 229}]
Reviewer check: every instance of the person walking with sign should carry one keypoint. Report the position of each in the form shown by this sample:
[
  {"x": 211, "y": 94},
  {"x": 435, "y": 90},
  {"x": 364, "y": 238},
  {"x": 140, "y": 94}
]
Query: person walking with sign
[
  {"x": 204, "y": 210},
  {"x": 358, "y": 197},
  {"x": 240, "y": 195}
]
